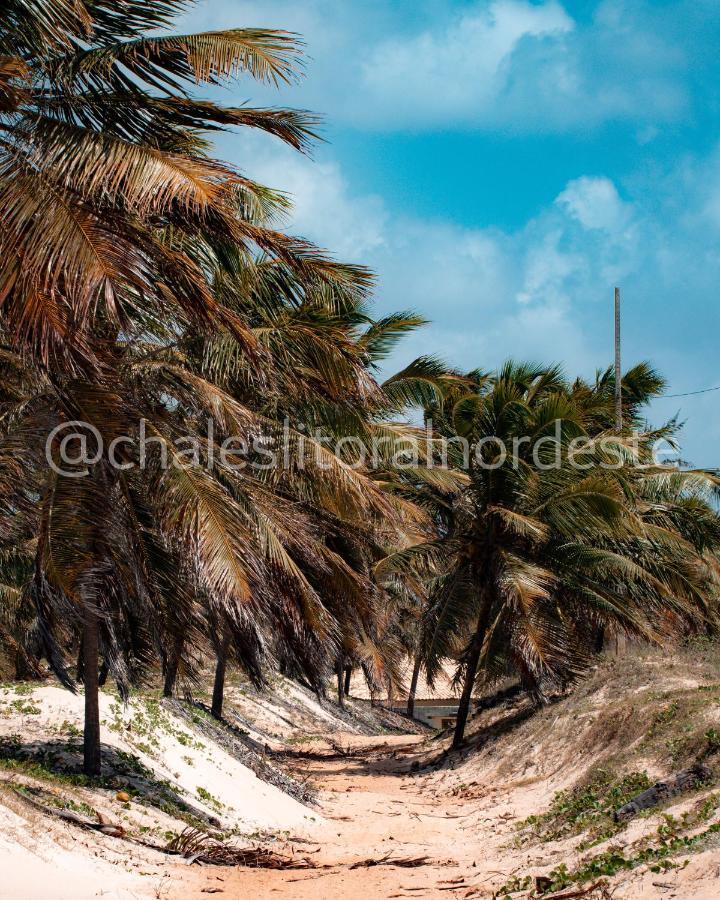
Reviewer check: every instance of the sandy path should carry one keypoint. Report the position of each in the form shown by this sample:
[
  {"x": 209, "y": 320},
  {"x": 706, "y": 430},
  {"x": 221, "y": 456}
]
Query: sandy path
[{"x": 374, "y": 807}]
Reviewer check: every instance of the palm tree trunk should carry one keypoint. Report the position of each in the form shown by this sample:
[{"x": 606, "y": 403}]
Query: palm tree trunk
[
  {"x": 348, "y": 676},
  {"x": 79, "y": 666},
  {"x": 470, "y": 673},
  {"x": 171, "y": 669},
  {"x": 339, "y": 673},
  {"x": 600, "y": 639},
  {"x": 26, "y": 666},
  {"x": 91, "y": 741},
  {"x": 219, "y": 685},
  {"x": 413, "y": 687}
]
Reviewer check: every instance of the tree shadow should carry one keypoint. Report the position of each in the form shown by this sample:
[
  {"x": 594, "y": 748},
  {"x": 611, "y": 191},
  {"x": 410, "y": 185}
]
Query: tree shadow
[
  {"x": 61, "y": 762},
  {"x": 376, "y": 759},
  {"x": 502, "y": 726},
  {"x": 448, "y": 758},
  {"x": 401, "y": 761},
  {"x": 235, "y": 740}
]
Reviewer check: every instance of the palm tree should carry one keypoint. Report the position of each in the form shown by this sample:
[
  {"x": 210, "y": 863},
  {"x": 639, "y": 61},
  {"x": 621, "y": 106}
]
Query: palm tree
[
  {"x": 114, "y": 216},
  {"x": 327, "y": 335},
  {"x": 533, "y": 555}
]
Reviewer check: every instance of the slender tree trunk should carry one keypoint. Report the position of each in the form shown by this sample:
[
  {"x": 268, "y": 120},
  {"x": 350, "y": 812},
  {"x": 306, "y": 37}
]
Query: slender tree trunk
[
  {"x": 21, "y": 668},
  {"x": 348, "y": 676},
  {"x": 27, "y": 668},
  {"x": 600, "y": 639},
  {"x": 219, "y": 685},
  {"x": 413, "y": 687},
  {"x": 471, "y": 672},
  {"x": 79, "y": 666},
  {"x": 170, "y": 676},
  {"x": 90, "y": 644},
  {"x": 340, "y": 693},
  {"x": 171, "y": 669}
]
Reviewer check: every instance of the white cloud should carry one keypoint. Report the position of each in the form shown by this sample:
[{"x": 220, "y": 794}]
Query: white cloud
[
  {"x": 543, "y": 291},
  {"x": 511, "y": 64},
  {"x": 488, "y": 293},
  {"x": 354, "y": 227},
  {"x": 595, "y": 203},
  {"x": 547, "y": 269},
  {"x": 525, "y": 66},
  {"x": 459, "y": 70}
]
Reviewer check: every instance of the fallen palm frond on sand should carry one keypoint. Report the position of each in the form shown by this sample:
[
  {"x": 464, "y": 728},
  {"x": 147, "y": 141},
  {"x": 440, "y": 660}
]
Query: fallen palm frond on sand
[
  {"x": 403, "y": 862},
  {"x": 193, "y": 845},
  {"x": 102, "y": 824},
  {"x": 197, "y": 847}
]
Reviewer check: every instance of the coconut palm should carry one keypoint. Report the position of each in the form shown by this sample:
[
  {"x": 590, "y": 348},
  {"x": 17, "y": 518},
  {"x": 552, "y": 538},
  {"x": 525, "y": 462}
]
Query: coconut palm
[
  {"x": 325, "y": 333},
  {"x": 114, "y": 219},
  {"x": 533, "y": 555},
  {"x": 329, "y": 337}
]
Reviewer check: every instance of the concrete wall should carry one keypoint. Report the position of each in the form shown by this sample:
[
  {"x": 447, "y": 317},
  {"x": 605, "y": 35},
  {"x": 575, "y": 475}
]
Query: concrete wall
[{"x": 431, "y": 713}]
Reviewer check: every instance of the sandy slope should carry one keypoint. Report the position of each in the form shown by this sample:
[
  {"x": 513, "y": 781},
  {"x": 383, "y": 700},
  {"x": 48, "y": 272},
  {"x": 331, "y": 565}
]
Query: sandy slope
[
  {"x": 42, "y": 857},
  {"x": 39, "y": 860},
  {"x": 179, "y": 765},
  {"x": 381, "y": 797},
  {"x": 646, "y": 711},
  {"x": 375, "y": 807},
  {"x": 203, "y": 774}
]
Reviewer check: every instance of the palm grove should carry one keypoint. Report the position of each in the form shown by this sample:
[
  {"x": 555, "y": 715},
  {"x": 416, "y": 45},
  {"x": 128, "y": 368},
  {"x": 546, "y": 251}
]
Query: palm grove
[{"x": 147, "y": 290}]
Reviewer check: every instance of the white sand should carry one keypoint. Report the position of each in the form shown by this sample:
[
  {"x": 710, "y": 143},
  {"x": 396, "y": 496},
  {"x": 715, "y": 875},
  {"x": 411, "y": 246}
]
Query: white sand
[
  {"x": 40, "y": 860},
  {"x": 43, "y": 858},
  {"x": 173, "y": 752}
]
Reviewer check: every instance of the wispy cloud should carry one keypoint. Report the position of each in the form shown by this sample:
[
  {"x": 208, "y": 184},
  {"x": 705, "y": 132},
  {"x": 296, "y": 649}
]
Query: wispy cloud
[
  {"x": 543, "y": 291},
  {"x": 460, "y": 68},
  {"x": 526, "y": 66},
  {"x": 516, "y": 64},
  {"x": 595, "y": 204}
]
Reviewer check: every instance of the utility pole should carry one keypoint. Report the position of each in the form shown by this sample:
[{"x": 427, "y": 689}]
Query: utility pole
[{"x": 618, "y": 366}]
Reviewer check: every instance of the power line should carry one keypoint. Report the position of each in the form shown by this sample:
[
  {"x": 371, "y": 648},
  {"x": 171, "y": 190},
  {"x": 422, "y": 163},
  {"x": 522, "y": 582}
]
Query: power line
[{"x": 691, "y": 393}]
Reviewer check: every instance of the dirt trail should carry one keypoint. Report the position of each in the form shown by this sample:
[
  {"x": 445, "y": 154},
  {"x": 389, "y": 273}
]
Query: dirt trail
[
  {"x": 376, "y": 809},
  {"x": 384, "y": 800},
  {"x": 379, "y": 807}
]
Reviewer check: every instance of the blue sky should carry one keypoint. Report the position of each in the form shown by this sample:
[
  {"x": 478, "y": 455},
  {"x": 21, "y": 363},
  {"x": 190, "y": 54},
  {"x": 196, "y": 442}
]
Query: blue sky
[{"x": 502, "y": 164}]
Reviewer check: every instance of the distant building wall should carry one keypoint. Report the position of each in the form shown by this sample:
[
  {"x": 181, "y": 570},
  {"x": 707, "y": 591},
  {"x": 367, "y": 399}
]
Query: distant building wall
[{"x": 435, "y": 713}]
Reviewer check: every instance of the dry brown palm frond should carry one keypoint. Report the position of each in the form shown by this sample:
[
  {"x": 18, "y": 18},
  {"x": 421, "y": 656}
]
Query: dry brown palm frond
[
  {"x": 523, "y": 525},
  {"x": 13, "y": 93},
  {"x": 48, "y": 27},
  {"x": 68, "y": 251},
  {"x": 210, "y": 56},
  {"x": 196, "y": 846},
  {"x": 147, "y": 179},
  {"x": 229, "y": 416},
  {"x": 198, "y": 514}
]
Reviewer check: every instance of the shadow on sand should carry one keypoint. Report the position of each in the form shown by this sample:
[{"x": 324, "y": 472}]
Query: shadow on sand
[{"x": 60, "y": 762}]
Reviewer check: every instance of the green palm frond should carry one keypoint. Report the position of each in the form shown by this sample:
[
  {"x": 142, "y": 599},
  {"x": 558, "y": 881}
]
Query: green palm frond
[
  {"x": 382, "y": 336},
  {"x": 421, "y": 383}
]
